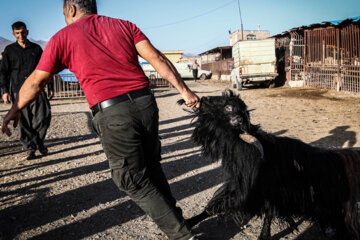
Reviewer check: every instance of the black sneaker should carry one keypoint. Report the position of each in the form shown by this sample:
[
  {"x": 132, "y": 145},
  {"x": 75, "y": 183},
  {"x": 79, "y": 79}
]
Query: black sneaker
[
  {"x": 29, "y": 156},
  {"x": 43, "y": 150}
]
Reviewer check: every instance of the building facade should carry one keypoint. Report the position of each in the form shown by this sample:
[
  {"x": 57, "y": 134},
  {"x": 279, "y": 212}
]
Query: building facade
[
  {"x": 173, "y": 55},
  {"x": 248, "y": 35}
]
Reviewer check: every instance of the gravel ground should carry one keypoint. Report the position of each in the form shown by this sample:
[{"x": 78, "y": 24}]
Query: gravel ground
[{"x": 69, "y": 194}]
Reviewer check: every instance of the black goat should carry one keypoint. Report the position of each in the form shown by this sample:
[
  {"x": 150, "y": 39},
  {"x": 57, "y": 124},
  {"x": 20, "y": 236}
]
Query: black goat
[{"x": 278, "y": 177}]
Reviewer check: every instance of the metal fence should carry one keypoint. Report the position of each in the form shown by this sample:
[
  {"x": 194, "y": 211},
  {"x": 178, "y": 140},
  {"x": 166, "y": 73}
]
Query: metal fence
[
  {"x": 296, "y": 56},
  {"x": 321, "y": 77},
  {"x": 350, "y": 76},
  {"x": 323, "y": 57},
  {"x": 67, "y": 85},
  {"x": 221, "y": 67},
  {"x": 156, "y": 80},
  {"x": 332, "y": 58}
]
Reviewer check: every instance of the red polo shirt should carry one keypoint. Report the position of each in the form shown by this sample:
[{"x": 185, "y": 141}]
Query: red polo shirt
[{"x": 101, "y": 52}]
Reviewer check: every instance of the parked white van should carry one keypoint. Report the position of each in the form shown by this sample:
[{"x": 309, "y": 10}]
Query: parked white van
[
  {"x": 254, "y": 63},
  {"x": 184, "y": 70}
]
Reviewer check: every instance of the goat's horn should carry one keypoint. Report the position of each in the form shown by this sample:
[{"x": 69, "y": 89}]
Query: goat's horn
[
  {"x": 227, "y": 93},
  {"x": 254, "y": 141}
]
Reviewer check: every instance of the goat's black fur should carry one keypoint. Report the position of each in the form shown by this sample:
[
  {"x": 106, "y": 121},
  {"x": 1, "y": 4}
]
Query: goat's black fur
[{"x": 286, "y": 178}]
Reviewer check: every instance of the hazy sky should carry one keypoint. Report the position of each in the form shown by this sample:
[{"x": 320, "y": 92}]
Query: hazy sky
[{"x": 191, "y": 25}]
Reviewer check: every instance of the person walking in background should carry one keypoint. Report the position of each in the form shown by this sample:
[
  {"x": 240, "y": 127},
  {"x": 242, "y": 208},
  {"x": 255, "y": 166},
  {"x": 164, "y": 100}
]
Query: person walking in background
[
  {"x": 195, "y": 67},
  {"x": 19, "y": 60},
  {"x": 103, "y": 54}
]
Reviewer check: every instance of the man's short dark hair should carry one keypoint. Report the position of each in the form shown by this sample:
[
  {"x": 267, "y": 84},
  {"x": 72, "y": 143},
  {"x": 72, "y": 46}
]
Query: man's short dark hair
[
  {"x": 18, "y": 25},
  {"x": 86, "y": 6}
]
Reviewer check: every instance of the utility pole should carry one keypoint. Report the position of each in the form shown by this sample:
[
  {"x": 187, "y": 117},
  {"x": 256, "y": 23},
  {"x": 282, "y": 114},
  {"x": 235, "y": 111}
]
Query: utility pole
[{"x": 242, "y": 29}]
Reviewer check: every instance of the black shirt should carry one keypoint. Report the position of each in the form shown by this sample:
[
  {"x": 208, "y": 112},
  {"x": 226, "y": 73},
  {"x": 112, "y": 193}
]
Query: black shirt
[{"x": 17, "y": 64}]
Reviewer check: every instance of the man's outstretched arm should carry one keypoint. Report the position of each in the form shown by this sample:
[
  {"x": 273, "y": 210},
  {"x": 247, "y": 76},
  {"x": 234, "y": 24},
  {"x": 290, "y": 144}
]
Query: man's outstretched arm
[
  {"x": 31, "y": 88},
  {"x": 167, "y": 71}
]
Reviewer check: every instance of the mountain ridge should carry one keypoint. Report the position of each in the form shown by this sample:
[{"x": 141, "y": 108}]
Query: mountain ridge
[{"x": 4, "y": 42}]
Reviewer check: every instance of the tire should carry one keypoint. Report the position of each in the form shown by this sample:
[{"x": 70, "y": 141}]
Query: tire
[
  {"x": 238, "y": 84},
  {"x": 203, "y": 76},
  {"x": 272, "y": 84},
  {"x": 152, "y": 77}
]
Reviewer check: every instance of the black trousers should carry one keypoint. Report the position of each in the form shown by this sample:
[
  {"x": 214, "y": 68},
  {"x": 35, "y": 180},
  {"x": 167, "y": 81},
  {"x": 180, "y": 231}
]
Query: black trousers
[
  {"x": 195, "y": 73},
  {"x": 128, "y": 132},
  {"x": 34, "y": 123}
]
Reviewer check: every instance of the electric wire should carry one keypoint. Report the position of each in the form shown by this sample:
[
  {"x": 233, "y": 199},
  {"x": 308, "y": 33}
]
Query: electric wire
[{"x": 190, "y": 18}]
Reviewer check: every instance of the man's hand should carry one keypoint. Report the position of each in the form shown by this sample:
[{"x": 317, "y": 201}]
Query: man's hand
[
  {"x": 31, "y": 88},
  {"x": 50, "y": 94},
  {"x": 191, "y": 99},
  {"x": 6, "y": 97},
  {"x": 11, "y": 115}
]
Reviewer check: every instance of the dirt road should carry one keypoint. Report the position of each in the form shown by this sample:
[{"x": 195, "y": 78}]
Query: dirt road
[{"x": 69, "y": 194}]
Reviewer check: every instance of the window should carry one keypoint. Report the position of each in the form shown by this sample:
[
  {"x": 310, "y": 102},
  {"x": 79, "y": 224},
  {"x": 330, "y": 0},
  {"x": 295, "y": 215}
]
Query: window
[{"x": 251, "y": 37}]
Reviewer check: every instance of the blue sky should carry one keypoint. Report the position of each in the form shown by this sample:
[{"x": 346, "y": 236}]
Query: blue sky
[{"x": 191, "y": 25}]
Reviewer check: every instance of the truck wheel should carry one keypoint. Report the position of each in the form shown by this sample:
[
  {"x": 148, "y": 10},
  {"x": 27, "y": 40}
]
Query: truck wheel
[
  {"x": 203, "y": 76},
  {"x": 272, "y": 84},
  {"x": 238, "y": 84}
]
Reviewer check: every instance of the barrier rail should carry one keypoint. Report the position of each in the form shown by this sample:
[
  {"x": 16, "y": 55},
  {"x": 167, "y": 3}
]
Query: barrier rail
[
  {"x": 67, "y": 85},
  {"x": 156, "y": 80}
]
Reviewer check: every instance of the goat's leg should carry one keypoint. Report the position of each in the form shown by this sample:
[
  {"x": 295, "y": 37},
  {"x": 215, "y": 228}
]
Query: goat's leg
[
  {"x": 266, "y": 229},
  {"x": 191, "y": 222},
  {"x": 220, "y": 203},
  {"x": 215, "y": 206},
  {"x": 291, "y": 223}
]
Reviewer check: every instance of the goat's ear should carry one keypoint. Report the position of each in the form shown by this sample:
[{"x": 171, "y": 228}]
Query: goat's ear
[
  {"x": 180, "y": 102},
  {"x": 227, "y": 93}
]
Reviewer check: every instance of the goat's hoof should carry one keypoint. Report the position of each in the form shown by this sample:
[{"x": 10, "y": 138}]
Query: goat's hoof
[{"x": 261, "y": 237}]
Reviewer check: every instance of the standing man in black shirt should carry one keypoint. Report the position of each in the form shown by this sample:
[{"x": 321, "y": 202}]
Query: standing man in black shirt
[{"x": 19, "y": 61}]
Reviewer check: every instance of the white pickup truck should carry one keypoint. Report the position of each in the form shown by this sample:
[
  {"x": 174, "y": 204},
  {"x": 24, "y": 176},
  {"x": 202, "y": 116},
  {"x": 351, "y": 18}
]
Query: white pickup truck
[
  {"x": 254, "y": 63},
  {"x": 183, "y": 69}
]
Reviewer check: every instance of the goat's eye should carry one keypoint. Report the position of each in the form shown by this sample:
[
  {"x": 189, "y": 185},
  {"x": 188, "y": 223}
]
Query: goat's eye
[{"x": 228, "y": 108}]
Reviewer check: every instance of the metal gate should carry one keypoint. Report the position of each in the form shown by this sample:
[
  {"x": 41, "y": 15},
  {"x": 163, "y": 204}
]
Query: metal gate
[
  {"x": 296, "y": 56},
  {"x": 350, "y": 58},
  {"x": 332, "y": 58}
]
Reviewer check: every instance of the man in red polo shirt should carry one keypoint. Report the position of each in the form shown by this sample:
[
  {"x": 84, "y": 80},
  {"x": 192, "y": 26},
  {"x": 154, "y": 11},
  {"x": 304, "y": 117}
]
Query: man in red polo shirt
[{"x": 103, "y": 54}]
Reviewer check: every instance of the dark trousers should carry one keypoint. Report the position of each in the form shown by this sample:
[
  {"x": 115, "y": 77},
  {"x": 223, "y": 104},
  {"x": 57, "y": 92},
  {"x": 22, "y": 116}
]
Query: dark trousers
[
  {"x": 128, "y": 132},
  {"x": 34, "y": 123},
  {"x": 195, "y": 73}
]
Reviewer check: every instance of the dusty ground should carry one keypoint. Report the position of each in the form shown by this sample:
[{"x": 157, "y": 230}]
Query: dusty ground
[{"x": 68, "y": 194}]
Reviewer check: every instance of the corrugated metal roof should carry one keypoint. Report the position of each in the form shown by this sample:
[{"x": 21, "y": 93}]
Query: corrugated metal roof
[
  {"x": 322, "y": 24},
  {"x": 336, "y": 22},
  {"x": 217, "y": 49}
]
